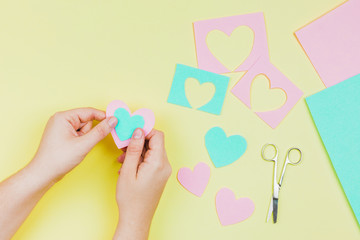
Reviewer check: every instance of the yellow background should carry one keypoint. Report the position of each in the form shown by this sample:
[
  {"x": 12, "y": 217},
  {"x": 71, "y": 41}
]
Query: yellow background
[{"x": 57, "y": 55}]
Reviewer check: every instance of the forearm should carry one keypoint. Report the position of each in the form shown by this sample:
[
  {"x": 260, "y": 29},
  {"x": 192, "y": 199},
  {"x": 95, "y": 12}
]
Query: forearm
[
  {"x": 18, "y": 196},
  {"x": 131, "y": 229}
]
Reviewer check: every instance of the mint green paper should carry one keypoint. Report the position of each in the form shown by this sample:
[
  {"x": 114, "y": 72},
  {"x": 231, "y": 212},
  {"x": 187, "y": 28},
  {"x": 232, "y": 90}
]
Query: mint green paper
[
  {"x": 127, "y": 124},
  {"x": 336, "y": 113},
  {"x": 224, "y": 150},
  {"x": 177, "y": 92}
]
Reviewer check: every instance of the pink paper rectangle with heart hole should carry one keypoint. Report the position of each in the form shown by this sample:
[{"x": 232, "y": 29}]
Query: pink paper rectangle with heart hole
[
  {"x": 332, "y": 43},
  {"x": 207, "y": 61},
  {"x": 242, "y": 90}
]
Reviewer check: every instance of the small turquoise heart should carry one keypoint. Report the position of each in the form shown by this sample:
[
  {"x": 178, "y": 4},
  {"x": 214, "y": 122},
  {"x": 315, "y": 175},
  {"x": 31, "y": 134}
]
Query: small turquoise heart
[
  {"x": 127, "y": 124},
  {"x": 224, "y": 150}
]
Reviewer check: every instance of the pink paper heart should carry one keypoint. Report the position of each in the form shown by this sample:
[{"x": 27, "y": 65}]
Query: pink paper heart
[
  {"x": 147, "y": 114},
  {"x": 231, "y": 210},
  {"x": 195, "y": 181}
]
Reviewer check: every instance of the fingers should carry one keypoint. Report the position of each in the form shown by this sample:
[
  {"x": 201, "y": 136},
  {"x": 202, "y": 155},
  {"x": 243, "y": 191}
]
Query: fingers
[
  {"x": 134, "y": 152},
  {"x": 82, "y": 115},
  {"x": 87, "y": 114},
  {"x": 121, "y": 158},
  {"x": 99, "y": 132},
  {"x": 156, "y": 140},
  {"x": 85, "y": 128}
]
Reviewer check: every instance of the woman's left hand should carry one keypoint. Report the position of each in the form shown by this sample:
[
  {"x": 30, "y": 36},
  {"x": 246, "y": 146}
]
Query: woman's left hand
[{"x": 68, "y": 138}]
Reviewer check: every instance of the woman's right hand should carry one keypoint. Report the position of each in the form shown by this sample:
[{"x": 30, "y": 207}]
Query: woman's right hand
[{"x": 142, "y": 179}]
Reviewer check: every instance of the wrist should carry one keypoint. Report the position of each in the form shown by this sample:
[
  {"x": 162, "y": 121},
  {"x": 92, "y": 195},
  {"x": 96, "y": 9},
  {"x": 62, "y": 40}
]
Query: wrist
[
  {"x": 39, "y": 174},
  {"x": 132, "y": 228}
]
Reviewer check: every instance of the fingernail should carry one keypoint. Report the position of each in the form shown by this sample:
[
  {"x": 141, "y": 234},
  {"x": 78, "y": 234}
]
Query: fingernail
[
  {"x": 138, "y": 133},
  {"x": 112, "y": 122}
]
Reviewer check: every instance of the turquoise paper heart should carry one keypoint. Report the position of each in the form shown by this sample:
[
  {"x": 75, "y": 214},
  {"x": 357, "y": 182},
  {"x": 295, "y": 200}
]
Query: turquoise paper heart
[
  {"x": 224, "y": 150},
  {"x": 127, "y": 124}
]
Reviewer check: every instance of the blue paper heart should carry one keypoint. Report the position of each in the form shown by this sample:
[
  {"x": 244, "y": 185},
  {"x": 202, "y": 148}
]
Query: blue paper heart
[
  {"x": 127, "y": 124},
  {"x": 224, "y": 150}
]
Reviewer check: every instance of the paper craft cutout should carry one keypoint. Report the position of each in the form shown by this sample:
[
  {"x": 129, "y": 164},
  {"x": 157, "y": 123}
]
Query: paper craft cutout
[
  {"x": 231, "y": 210},
  {"x": 224, "y": 150},
  {"x": 177, "y": 92},
  {"x": 336, "y": 114},
  {"x": 264, "y": 98},
  {"x": 332, "y": 43},
  {"x": 231, "y": 50},
  {"x": 277, "y": 80},
  {"x": 127, "y": 123},
  {"x": 195, "y": 181},
  {"x": 207, "y": 61},
  {"x": 198, "y": 94}
]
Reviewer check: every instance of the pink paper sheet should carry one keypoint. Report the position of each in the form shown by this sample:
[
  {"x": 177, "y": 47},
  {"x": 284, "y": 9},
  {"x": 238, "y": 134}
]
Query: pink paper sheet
[
  {"x": 332, "y": 43},
  {"x": 207, "y": 61},
  {"x": 277, "y": 79}
]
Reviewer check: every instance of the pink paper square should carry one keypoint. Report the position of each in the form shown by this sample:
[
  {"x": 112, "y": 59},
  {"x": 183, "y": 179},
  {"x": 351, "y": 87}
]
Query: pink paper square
[
  {"x": 277, "y": 79},
  {"x": 332, "y": 43},
  {"x": 207, "y": 61}
]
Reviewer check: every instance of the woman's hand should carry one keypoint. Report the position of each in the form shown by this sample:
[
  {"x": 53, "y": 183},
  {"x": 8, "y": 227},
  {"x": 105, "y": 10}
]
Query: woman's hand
[
  {"x": 67, "y": 139},
  {"x": 142, "y": 179}
]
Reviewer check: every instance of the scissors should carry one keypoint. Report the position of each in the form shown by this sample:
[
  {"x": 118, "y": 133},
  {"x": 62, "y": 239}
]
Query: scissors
[{"x": 273, "y": 209}]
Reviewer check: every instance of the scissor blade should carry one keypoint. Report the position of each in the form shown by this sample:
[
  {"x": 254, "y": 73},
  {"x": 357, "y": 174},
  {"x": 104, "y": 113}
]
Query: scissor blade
[
  {"x": 275, "y": 209},
  {"x": 270, "y": 210}
]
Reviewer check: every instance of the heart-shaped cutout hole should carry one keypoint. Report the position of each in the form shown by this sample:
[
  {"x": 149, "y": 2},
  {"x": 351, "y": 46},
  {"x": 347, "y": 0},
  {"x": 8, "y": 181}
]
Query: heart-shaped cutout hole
[
  {"x": 264, "y": 98},
  {"x": 198, "y": 94},
  {"x": 231, "y": 50}
]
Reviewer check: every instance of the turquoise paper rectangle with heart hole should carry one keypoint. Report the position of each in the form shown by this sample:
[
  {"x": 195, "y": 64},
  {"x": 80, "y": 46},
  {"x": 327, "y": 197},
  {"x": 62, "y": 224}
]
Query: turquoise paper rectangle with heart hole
[{"x": 177, "y": 92}]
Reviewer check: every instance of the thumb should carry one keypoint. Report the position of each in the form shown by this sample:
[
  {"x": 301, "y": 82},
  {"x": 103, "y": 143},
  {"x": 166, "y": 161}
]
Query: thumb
[
  {"x": 99, "y": 132},
  {"x": 133, "y": 152}
]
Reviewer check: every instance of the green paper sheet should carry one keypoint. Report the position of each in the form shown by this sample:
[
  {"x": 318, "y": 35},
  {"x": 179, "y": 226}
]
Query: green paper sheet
[{"x": 336, "y": 113}]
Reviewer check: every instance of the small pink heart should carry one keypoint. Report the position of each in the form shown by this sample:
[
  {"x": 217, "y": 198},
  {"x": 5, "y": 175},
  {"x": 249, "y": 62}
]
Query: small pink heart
[
  {"x": 195, "y": 181},
  {"x": 147, "y": 114},
  {"x": 231, "y": 210}
]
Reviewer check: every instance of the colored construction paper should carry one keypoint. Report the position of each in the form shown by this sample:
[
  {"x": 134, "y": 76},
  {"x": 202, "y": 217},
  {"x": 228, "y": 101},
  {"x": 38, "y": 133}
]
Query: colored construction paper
[
  {"x": 224, "y": 150},
  {"x": 195, "y": 181},
  {"x": 336, "y": 114},
  {"x": 207, "y": 61},
  {"x": 332, "y": 43},
  {"x": 127, "y": 122},
  {"x": 277, "y": 79},
  {"x": 177, "y": 92},
  {"x": 231, "y": 210}
]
